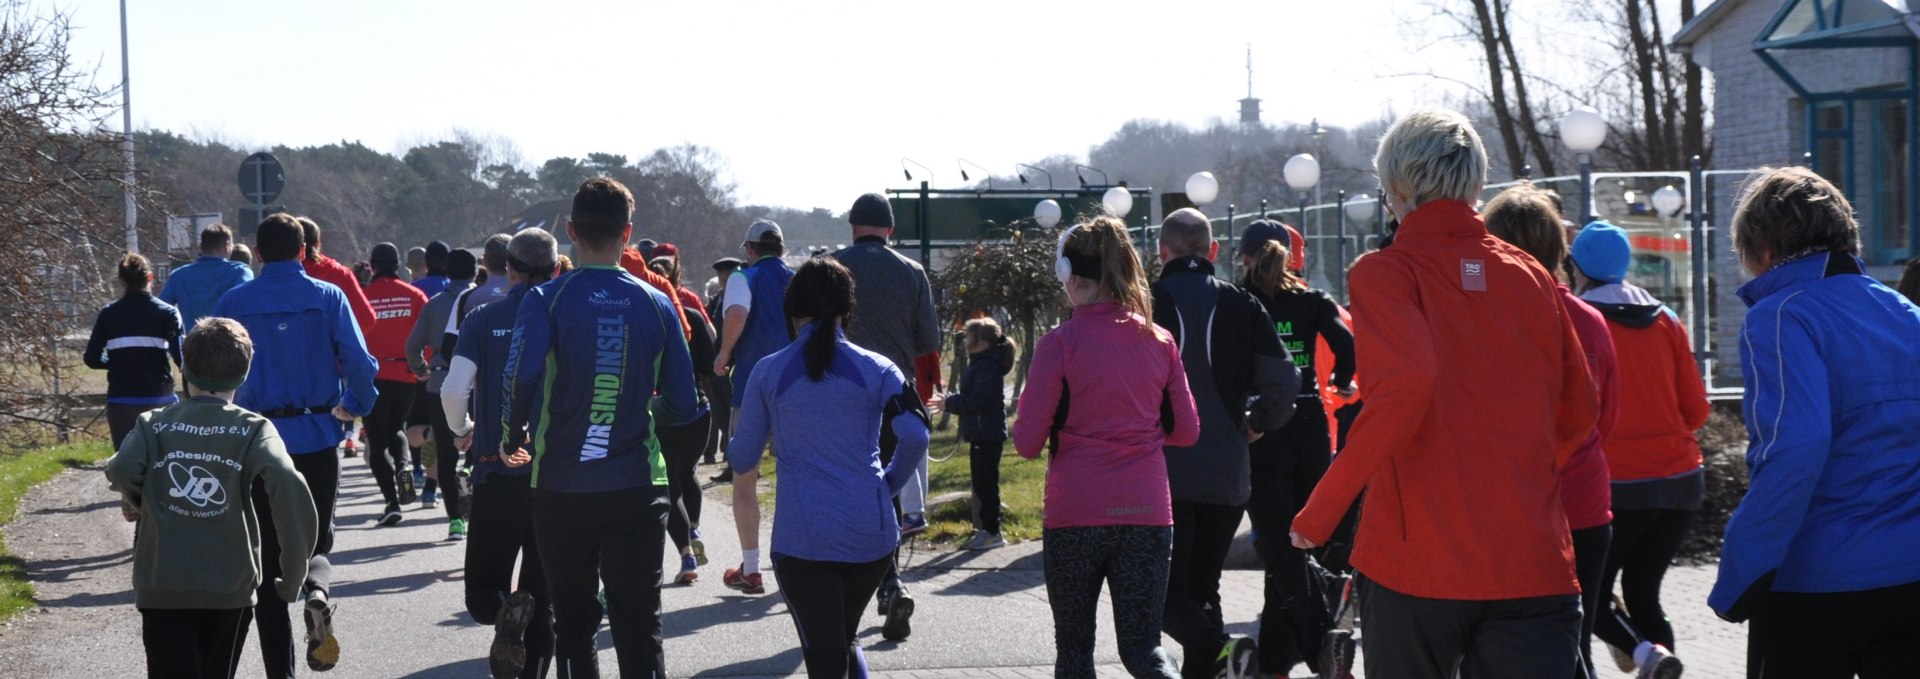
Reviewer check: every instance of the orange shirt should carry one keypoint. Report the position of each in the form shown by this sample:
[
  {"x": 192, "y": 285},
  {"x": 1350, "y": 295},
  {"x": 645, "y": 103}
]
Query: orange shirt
[
  {"x": 1662, "y": 402},
  {"x": 1477, "y": 391},
  {"x": 631, "y": 260}
]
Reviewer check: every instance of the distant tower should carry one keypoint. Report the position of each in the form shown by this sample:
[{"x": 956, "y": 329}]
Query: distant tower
[{"x": 1250, "y": 106}]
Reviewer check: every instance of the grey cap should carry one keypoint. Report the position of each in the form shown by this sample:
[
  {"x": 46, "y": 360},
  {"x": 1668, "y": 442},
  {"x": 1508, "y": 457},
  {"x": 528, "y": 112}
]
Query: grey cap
[
  {"x": 534, "y": 249},
  {"x": 764, "y": 231}
]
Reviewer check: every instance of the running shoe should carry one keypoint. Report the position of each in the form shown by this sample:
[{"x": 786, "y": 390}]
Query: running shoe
[
  {"x": 699, "y": 548},
  {"x": 406, "y": 484},
  {"x": 456, "y": 529},
  {"x": 509, "y": 652},
  {"x": 391, "y": 516},
  {"x": 1661, "y": 664},
  {"x": 689, "y": 570},
  {"x": 466, "y": 490},
  {"x": 323, "y": 649},
  {"x": 913, "y": 524},
  {"x": 419, "y": 476},
  {"x": 1236, "y": 657},
  {"x": 1622, "y": 657},
  {"x": 725, "y": 476},
  {"x": 880, "y": 602},
  {"x": 899, "y": 624},
  {"x": 429, "y": 499},
  {"x": 983, "y": 540},
  {"x": 745, "y": 583}
]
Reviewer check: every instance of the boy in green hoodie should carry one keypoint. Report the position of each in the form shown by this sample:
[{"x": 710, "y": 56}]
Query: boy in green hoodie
[{"x": 185, "y": 473}]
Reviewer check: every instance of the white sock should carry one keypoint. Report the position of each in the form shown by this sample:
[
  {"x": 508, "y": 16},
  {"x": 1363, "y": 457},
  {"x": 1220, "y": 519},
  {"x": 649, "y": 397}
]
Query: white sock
[
  {"x": 1643, "y": 653},
  {"x": 749, "y": 561}
]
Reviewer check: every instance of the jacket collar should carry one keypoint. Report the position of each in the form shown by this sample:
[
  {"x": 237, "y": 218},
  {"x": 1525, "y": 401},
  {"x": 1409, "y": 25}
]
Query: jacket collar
[
  {"x": 1187, "y": 265},
  {"x": 1799, "y": 270},
  {"x": 1442, "y": 218},
  {"x": 212, "y": 258},
  {"x": 876, "y": 240},
  {"x": 283, "y": 269}
]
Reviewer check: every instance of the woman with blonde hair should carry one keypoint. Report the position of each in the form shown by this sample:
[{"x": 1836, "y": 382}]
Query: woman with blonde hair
[{"x": 1096, "y": 393}]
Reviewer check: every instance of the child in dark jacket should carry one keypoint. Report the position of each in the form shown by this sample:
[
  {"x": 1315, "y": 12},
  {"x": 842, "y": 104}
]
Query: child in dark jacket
[{"x": 982, "y": 407}]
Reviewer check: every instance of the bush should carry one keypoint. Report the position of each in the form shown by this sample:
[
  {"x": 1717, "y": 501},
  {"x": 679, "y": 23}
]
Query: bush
[{"x": 1724, "y": 444}]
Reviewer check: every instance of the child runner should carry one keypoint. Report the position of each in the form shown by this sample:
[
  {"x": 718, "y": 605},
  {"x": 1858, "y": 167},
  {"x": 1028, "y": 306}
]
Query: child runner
[
  {"x": 594, "y": 345},
  {"x": 136, "y": 340},
  {"x": 1821, "y": 554},
  {"x": 195, "y": 555},
  {"x": 502, "y": 518},
  {"x": 981, "y": 404},
  {"x": 824, "y": 401},
  {"x": 1096, "y": 393}
]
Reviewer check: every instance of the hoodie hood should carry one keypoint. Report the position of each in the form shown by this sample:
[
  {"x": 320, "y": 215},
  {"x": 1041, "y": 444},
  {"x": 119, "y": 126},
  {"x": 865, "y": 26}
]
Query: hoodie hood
[
  {"x": 998, "y": 354},
  {"x": 1627, "y": 304}
]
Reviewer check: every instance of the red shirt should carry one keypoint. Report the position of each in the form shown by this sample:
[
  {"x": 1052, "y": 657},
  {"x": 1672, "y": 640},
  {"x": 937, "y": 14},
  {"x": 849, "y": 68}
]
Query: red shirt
[
  {"x": 331, "y": 271},
  {"x": 396, "y": 303},
  {"x": 1477, "y": 392},
  {"x": 1584, "y": 481},
  {"x": 631, "y": 260},
  {"x": 1662, "y": 403}
]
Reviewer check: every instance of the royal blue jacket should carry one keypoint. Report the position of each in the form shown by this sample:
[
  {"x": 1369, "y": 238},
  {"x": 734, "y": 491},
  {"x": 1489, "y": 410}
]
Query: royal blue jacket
[
  {"x": 766, "y": 330},
  {"x": 133, "y": 339},
  {"x": 1832, "y": 406},
  {"x": 835, "y": 501},
  {"x": 196, "y": 287},
  {"x": 486, "y": 338},
  {"x": 431, "y": 284},
  {"x": 308, "y": 355},
  {"x": 595, "y": 345}
]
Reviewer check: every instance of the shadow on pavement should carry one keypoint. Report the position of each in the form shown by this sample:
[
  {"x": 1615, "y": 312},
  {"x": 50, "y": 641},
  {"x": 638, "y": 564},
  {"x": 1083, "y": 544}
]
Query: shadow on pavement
[
  {"x": 57, "y": 570},
  {"x": 993, "y": 583},
  {"x": 120, "y": 598},
  {"x": 736, "y": 609},
  {"x": 393, "y": 585},
  {"x": 785, "y": 664},
  {"x": 474, "y": 667},
  {"x": 81, "y": 509},
  {"x": 376, "y": 553}
]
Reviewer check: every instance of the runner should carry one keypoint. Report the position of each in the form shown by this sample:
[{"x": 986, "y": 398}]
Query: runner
[
  {"x": 748, "y": 336},
  {"x": 311, "y": 375},
  {"x": 428, "y": 362},
  {"x": 1107, "y": 515},
  {"x": 824, "y": 402},
  {"x": 1288, "y": 463},
  {"x": 502, "y": 530},
  {"x": 593, "y": 344},
  {"x": 323, "y": 268},
  {"x": 196, "y": 287},
  {"x": 897, "y": 320},
  {"x": 720, "y": 388},
  {"x": 1526, "y": 217},
  {"x": 435, "y": 258},
  {"x": 1659, "y": 480},
  {"x": 420, "y": 429},
  {"x": 682, "y": 445},
  {"x": 416, "y": 262},
  {"x": 1820, "y": 555},
  {"x": 244, "y": 255},
  {"x": 397, "y": 305},
  {"x": 1244, "y": 385},
  {"x": 133, "y": 339},
  {"x": 1463, "y": 547},
  {"x": 981, "y": 404},
  {"x": 195, "y": 560}
]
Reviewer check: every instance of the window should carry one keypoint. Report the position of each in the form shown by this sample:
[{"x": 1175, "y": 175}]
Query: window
[
  {"x": 1830, "y": 142},
  {"x": 1889, "y": 234}
]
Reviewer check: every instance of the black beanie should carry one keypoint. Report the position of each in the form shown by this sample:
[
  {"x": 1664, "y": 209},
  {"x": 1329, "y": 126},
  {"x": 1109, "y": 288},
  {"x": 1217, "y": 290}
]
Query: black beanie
[
  {"x": 871, "y": 210},
  {"x": 385, "y": 258},
  {"x": 460, "y": 265}
]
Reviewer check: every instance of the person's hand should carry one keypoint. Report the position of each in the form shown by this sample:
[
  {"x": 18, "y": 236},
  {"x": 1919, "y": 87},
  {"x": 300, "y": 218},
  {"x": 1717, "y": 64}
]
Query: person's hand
[
  {"x": 516, "y": 459},
  {"x": 720, "y": 365},
  {"x": 128, "y": 512},
  {"x": 1300, "y": 542},
  {"x": 340, "y": 413},
  {"x": 463, "y": 442},
  {"x": 1253, "y": 435},
  {"x": 422, "y": 373},
  {"x": 1346, "y": 391}
]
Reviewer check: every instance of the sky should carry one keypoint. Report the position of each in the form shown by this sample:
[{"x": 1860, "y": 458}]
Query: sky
[{"x": 811, "y": 103}]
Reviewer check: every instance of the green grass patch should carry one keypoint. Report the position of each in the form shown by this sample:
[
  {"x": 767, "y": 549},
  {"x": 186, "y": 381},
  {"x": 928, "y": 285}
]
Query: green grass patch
[
  {"x": 18, "y": 473},
  {"x": 1022, "y": 490}
]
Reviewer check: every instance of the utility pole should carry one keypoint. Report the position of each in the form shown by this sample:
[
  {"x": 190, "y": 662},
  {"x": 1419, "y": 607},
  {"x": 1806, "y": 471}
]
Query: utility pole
[{"x": 126, "y": 139}]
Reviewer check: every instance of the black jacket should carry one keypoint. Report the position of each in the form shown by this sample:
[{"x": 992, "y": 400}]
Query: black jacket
[
  {"x": 1303, "y": 319},
  {"x": 133, "y": 340},
  {"x": 1240, "y": 375},
  {"x": 981, "y": 402}
]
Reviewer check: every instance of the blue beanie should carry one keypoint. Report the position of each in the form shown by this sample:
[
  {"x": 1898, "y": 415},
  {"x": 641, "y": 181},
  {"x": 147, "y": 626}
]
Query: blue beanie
[{"x": 1602, "y": 252}]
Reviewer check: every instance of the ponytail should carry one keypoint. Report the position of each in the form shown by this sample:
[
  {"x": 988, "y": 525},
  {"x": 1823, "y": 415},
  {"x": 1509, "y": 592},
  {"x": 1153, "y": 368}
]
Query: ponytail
[
  {"x": 135, "y": 273},
  {"x": 988, "y": 330},
  {"x": 822, "y": 290},
  {"x": 1269, "y": 273},
  {"x": 1122, "y": 280}
]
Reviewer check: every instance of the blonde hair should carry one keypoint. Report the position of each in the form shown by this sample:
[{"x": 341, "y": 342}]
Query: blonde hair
[
  {"x": 1432, "y": 154},
  {"x": 1269, "y": 273},
  {"x": 988, "y": 331},
  {"x": 1121, "y": 277},
  {"x": 1792, "y": 211}
]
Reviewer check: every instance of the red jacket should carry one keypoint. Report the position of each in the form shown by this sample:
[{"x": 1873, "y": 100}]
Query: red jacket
[
  {"x": 1584, "y": 482},
  {"x": 1329, "y": 392},
  {"x": 332, "y": 271},
  {"x": 396, "y": 303},
  {"x": 1477, "y": 392},
  {"x": 631, "y": 260},
  {"x": 1662, "y": 402}
]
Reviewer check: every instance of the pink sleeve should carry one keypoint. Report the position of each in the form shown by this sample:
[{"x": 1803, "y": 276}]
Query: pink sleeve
[
  {"x": 1034, "y": 413},
  {"x": 1186, "y": 417}
]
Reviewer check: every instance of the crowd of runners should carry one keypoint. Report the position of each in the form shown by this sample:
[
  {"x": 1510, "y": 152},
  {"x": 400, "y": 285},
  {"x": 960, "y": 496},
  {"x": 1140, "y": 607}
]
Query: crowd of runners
[{"x": 1496, "y": 432}]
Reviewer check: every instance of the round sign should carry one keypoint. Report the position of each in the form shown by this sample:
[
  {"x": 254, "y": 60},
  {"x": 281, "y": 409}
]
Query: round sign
[{"x": 261, "y": 178}]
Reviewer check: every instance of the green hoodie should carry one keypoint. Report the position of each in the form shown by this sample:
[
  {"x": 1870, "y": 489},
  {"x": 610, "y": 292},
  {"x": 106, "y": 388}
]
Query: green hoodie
[{"x": 199, "y": 543}]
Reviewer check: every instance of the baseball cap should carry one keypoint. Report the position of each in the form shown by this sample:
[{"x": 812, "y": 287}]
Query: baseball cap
[
  {"x": 666, "y": 250},
  {"x": 764, "y": 230},
  {"x": 725, "y": 263},
  {"x": 1254, "y": 238}
]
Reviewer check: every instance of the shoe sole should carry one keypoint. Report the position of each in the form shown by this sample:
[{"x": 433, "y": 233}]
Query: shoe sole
[
  {"x": 686, "y": 578},
  {"x": 700, "y": 552},
  {"x": 390, "y": 519},
  {"x": 424, "y": 504},
  {"x": 1668, "y": 667},
  {"x": 899, "y": 623},
  {"x": 1336, "y": 655},
  {"x": 509, "y": 652},
  {"x": 323, "y": 649}
]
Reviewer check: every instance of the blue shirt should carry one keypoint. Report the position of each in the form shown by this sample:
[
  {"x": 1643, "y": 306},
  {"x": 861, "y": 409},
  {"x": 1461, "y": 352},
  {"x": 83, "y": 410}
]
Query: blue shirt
[
  {"x": 195, "y": 288},
  {"x": 1832, "y": 407},
  {"x": 765, "y": 331},
  {"x": 486, "y": 337},
  {"x": 835, "y": 501},
  {"x": 430, "y": 285},
  {"x": 594, "y": 346},
  {"x": 307, "y": 354}
]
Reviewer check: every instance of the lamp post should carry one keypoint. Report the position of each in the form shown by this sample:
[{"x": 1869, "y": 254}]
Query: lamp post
[
  {"x": 963, "y": 163},
  {"x": 1361, "y": 209},
  {"x": 1017, "y": 167},
  {"x": 1583, "y": 131},
  {"x": 126, "y": 143},
  {"x": 1106, "y": 181},
  {"x": 1203, "y": 188},
  {"x": 1302, "y": 173}
]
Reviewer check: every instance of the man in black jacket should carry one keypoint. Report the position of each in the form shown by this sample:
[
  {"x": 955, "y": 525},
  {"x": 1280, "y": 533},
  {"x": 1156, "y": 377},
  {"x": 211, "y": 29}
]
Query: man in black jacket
[{"x": 1244, "y": 384}]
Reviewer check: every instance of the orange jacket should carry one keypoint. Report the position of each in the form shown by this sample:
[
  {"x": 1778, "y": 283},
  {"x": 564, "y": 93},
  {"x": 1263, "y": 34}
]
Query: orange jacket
[
  {"x": 1329, "y": 393},
  {"x": 397, "y": 305},
  {"x": 635, "y": 264},
  {"x": 332, "y": 271},
  {"x": 1477, "y": 391},
  {"x": 1662, "y": 402}
]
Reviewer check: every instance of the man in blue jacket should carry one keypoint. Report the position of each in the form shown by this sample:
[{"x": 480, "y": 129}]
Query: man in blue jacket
[
  {"x": 196, "y": 287},
  {"x": 593, "y": 347},
  {"x": 311, "y": 376}
]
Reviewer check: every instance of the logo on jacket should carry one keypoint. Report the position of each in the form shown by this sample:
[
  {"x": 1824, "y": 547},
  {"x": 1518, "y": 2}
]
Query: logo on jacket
[
  {"x": 196, "y": 485},
  {"x": 1473, "y": 275},
  {"x": 606, "y": 299}
]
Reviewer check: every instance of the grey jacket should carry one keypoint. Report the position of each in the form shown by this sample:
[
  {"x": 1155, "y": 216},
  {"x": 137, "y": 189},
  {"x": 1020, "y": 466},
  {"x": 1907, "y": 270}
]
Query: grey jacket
[
  {"x": 893, "y": 311},
  {"x": 427, "y": 334}
]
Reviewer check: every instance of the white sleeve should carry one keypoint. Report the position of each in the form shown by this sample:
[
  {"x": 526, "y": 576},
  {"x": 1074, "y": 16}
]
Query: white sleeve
[
  {"x": 453, "y": 395},
  {"x": 738, "y": 294}
]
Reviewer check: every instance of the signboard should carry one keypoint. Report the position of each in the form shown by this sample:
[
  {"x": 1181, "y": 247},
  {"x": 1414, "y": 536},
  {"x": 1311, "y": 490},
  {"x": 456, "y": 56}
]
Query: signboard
[
  {"x": 261, "y": 178},
  {"x": 183, "y": 231}
]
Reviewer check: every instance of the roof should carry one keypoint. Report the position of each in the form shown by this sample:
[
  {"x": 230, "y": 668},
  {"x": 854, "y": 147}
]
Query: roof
[{"x": 1704, "y": 22}]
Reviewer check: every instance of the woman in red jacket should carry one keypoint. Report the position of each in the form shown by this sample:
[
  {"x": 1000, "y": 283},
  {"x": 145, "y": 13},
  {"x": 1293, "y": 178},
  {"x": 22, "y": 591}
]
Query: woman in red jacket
[
  {"x": 1658, "y": 479},
  {"x": 397, "y": 305}
]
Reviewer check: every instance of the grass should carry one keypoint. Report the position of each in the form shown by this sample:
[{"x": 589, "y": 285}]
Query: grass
[{"x": 18, "y": 473}]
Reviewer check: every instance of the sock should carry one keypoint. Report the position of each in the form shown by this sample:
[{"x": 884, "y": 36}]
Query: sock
[
  {"x": 749, "y": 561},
  {"x": 1643, "y": 652}
]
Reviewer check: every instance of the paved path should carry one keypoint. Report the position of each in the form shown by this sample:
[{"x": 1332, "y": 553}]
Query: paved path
[{"x": 401, "y": 611}]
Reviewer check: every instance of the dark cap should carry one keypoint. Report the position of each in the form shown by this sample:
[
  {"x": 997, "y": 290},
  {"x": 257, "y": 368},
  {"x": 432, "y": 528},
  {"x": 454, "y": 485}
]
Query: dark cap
[
  {"x": 385, "y": 253},
  {"x": 726, "y": 263},
  {"x": 460, "y": 265},
  {"x": 871, "y": 210},
  {"x": 646, "y": 246},
  {"x": 1256, "y": 235},
  {"x": 437, "y": 251}
]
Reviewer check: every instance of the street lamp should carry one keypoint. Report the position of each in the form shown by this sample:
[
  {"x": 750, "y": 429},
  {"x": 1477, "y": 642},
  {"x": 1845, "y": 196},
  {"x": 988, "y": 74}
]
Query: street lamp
[
  {"x": 1583, "y": 130},
  {"x": 1302, "y": 173},
  {"x": 1046, "y": 213},
  {"x": 1668, "y": 201},
  {"x": 963, "y": 163},
  {"x": 1202, "y": 188},
  {"x": 1118, "y": 201},
  {"x": 1105, "y": 181},
  {"x": 1017, "y": 167}
]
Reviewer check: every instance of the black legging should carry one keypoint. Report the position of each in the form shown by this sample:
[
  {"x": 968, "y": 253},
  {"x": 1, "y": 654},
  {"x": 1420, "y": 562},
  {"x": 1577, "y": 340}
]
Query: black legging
[
  {"x": 682, "y": 446},
  {"x": 1644, "y": 544},
  {"x": 1589, "y": 565},
  {"x": 1287, "y": 465},
  {"x": 446, "y": 460},
  {"x": 388, "y": 417},
  {"x": 983, "y": 458},
  {"x": 826, "y": 599},
  {"x": 503, "y": 534}
]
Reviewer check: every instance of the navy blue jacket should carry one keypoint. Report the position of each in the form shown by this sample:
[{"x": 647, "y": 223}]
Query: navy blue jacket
[
  {"x": 308, "y": 355},
  {"x": 594, "y": 346},
  {"x": 133, "y": 339},
  {"x": 486, "y": 337},
  {"x": 981, "y": 402}
]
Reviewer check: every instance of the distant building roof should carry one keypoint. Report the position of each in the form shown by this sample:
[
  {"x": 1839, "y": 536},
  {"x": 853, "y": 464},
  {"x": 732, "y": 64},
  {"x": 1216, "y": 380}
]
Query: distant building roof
[{"x": 1704, "y": 22}]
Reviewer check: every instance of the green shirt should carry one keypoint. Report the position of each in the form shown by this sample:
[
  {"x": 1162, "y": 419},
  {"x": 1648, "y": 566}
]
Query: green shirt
[{"x": 189, "y": 468}]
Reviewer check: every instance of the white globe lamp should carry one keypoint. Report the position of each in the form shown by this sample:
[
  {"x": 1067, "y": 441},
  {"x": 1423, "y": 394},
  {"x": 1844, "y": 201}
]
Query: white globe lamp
[
  {"x": 1202, "y": 188},
  {"x": 1583, "y": 130},
  {"x": 1302, "y": 172},
  {"x": 1360, "y": 208},
  {"x": 1668, "y": 201},
  {"x": 1047, "y": 213},
  {"x": 1118, "y": 201}
]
